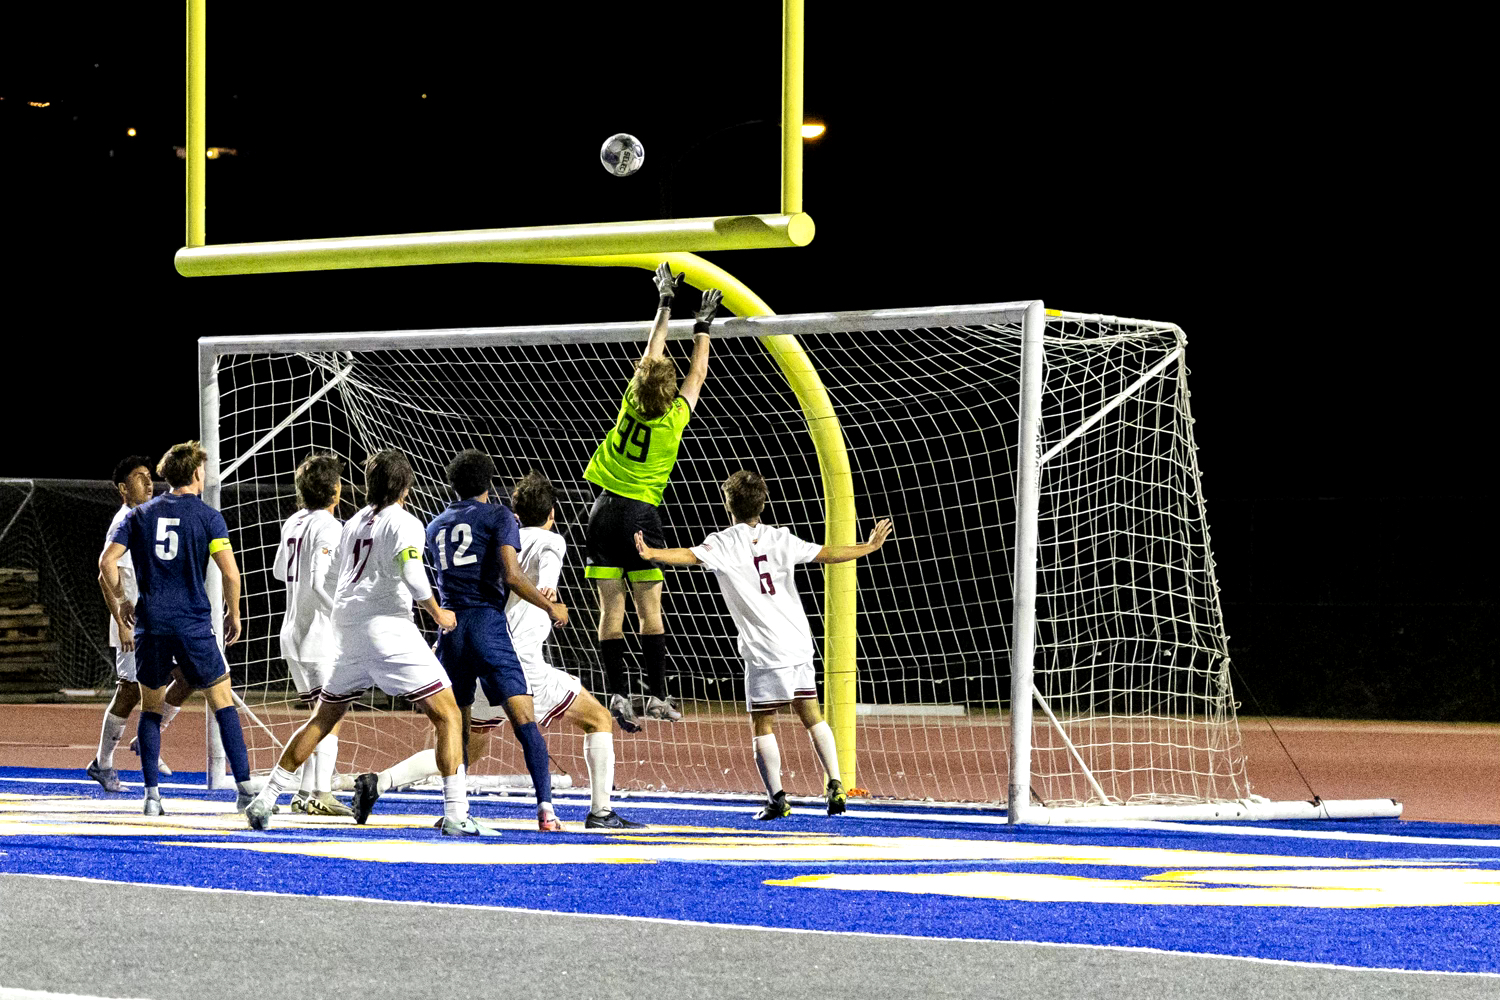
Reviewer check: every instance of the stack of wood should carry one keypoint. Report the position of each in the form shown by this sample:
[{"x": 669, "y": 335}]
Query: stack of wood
[{"x": 26, "y": 648}]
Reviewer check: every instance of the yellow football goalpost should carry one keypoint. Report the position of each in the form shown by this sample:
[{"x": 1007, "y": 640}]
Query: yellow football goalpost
[{"x": 617, "y": 244}]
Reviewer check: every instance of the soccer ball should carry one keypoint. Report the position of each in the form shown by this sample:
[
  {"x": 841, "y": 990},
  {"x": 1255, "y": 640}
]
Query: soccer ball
[{"x": 622, "y": 154}]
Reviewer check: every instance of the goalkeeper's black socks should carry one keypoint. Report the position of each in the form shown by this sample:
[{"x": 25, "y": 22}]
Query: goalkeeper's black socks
[
  {"x": 612, "y": 656},
  {"x": 654, "y": 658}
]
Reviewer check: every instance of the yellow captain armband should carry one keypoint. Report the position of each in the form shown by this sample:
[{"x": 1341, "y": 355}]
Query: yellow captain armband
[
  {"x": 410, "y": 552},
  {"x": 218, "y": 545}
]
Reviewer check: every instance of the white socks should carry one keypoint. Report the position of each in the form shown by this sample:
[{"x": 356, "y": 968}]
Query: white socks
[
  {"x": 599, "y": 755},
  {"x": 307, "y": 772},
  {"x": 418, "y": 767},
  {"x": 455, "y": 794},
  {"x": 109, "y": 738},
  {"x": 168, "y": 713},
  {"x": 322, "y": 763},
  {"x": 828, "y": 754},
  {"x": 279, "y": 781},
  {"x": 768, "y": 759}
]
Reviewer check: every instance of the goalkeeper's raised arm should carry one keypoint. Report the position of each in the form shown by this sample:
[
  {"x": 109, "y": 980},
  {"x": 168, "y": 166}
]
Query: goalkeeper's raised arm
[{"x": 631, "y": 467}]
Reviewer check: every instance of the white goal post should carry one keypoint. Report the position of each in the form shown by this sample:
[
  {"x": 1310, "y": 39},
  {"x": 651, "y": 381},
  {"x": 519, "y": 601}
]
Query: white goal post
[{"x": 1051, "y": 550}]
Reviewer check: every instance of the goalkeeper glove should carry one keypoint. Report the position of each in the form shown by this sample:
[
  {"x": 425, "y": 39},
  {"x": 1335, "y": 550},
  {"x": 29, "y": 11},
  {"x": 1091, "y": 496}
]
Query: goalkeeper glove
[
  {"x": 666, "y": 283},
  {"x": 705, "y": 316}
]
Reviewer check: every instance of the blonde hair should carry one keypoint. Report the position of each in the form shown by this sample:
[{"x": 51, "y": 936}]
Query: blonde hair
[
  {"x": 180, "y": 463},
  {"x": 655, "y": 386}
]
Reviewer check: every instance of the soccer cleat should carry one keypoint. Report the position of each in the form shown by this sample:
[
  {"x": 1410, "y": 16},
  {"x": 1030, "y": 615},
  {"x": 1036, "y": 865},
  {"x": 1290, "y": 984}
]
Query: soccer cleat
[
  {"x": 108, "y": 777},
  {"x": 611, "y": 821},
  {"x": 324, "y": 804},
  {"x": 836, "y": 797},
  {"x": 547, "y": 821},
  {"x": 366, "y": 794},
  {"x": 242, "y": 801},
  {"x": 258, "y": 814},
  {"x": 467, "y": 827},
  {"x": 299, "y": 803},
  {"x": 161, "y": 765},
  {"x": 153, "y": 808},
  {"x": 662, "y": 708},
  {"x": 775, "y": 808},
  {"x": 620, "y": 708}
]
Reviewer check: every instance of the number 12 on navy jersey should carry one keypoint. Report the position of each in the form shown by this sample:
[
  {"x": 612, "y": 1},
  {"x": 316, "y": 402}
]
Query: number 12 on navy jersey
[{"x": 463, "y": 537}]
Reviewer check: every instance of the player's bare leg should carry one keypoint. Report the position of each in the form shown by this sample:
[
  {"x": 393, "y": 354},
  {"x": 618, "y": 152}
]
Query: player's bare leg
[
  {"x": 612, "y": 653},
  {"x": 448, "y": 725},
  {"x": 325, "y": 720},
  {"x": 521, "y": 711},
  {"x": 593, "y": 720},
  {"x": 768, "y": 761},
  {"x": 646, "y": 594},
  {"x": 828, "y": 754}
]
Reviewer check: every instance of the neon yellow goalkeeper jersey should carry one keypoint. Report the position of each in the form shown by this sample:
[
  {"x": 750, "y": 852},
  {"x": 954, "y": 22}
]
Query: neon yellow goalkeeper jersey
[{"x": 636, "y": 457}]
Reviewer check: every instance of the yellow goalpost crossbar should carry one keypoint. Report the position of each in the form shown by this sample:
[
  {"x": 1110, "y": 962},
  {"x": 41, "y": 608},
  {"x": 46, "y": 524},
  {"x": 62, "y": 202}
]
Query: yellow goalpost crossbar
[{"x": 619, "y": 244}]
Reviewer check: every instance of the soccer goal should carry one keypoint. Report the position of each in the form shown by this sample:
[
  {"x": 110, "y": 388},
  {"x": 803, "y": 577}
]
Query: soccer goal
[{"x": 1044, "y": 631}]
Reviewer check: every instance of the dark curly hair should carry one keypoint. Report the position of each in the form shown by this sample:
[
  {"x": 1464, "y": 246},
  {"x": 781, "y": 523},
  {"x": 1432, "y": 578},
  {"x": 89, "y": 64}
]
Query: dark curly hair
[
  {"x": 470, "y": 473},
  {"x": 746, "y": 494},
  {"x": 533, "y": 499},
  {"x": 318, "y": 480},
  {"x": 125, "y": 466}
]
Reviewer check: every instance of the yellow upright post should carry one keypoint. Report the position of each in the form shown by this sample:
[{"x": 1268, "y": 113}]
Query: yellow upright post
[
  {"x": 196, "y": 150},
  {"x": 840, "y": 604},
  {"x": 791, "y": 107}
]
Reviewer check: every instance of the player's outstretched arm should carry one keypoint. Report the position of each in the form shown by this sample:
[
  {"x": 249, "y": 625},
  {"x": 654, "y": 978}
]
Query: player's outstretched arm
[
  {"x": 521, "y": 584},
  {"x": 698, "y": 366},
  {"x": 121, "y": 610},
  {"x": 666, "y": 289},
  {"x": 224, "y": 558},
  {"x": 668, "y": 557},
  {"x": 844, "y": 553}
]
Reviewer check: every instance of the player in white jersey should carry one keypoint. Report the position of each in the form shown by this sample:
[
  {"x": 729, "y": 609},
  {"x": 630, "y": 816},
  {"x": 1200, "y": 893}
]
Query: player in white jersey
[
  {"x": 307, "y": 562},
  {"x": 555, "y": 694},
  {"x": 132, "y": 479},
  {"x": 755, "y": 566},
  {"x": 380, "y": 575}
]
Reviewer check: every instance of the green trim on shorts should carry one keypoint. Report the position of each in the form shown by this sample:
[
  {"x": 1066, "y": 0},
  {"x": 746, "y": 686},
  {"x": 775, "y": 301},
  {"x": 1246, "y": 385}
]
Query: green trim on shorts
[
  {"x": 644, "y": 575},
  {"x": 603, "y": 572}
]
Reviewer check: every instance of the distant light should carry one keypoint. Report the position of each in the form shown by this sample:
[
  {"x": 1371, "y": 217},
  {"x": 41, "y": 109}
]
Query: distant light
[
  {"x": 130, "y": 131},
  {"x": 811, "y": 130},
  {"x": 40, "y": 104},
  {"x": 213, "y": 154},
  {"x": 424, "y": 97}
]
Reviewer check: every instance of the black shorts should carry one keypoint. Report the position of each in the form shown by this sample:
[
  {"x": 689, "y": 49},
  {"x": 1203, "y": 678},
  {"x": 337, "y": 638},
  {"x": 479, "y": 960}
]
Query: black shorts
[{"x": 613, "y": 522}]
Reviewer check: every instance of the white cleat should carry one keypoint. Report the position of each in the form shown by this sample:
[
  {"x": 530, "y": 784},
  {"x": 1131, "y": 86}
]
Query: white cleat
[
  {"x": 662, "y": 708},
  {"x": 258, "y": 814}
]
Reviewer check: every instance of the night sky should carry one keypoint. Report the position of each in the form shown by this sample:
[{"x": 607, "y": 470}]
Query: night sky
[{"x": 1298, "y": 197}]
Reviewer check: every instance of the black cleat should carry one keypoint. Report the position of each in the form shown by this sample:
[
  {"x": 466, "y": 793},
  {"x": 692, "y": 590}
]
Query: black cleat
[
  {"x": 366, "y": 794},
  {"x": 624, "y": 713},
  {"x": 611, "y": 821},
  {"x": 775, "y": 808},
  {"x": 836, "y": 797}
]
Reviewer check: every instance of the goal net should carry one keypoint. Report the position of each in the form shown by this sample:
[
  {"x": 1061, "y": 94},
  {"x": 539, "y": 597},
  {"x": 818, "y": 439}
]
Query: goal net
[{"x": 1131, "y": 693}]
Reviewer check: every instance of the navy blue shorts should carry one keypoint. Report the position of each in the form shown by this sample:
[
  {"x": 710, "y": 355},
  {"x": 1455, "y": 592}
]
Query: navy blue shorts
[
  {"x": 479, "y": 651},
  {"x": 197, "y": 656}
]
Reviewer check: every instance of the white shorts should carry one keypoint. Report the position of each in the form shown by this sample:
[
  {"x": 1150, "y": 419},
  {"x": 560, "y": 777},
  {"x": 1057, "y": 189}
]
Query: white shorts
[
  {"x": 309, "y": 678},
  {"x": 772, "y": 687},
  {"x": 125, "y": 665},
  {"x": 388, "y": 653},
  {"x": 552, "y": 693}
]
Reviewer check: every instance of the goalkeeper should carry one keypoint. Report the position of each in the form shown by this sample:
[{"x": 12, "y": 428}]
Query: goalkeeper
[{"x": 631, "y": 466}]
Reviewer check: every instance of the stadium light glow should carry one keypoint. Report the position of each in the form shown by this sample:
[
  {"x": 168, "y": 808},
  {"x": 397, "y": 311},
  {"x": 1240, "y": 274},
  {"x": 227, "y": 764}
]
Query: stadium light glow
[
  {"x": 130, "y": 131},
  {"x": 811, "y": 130},
  {"x": 40, "y": 104}
]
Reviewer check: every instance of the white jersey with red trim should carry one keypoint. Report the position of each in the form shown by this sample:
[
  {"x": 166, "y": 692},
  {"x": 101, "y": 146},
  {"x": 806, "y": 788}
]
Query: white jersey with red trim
[
  {"x": 755, "y": 566},
  {"x": 541, "y": 559},
  {"x": 127, "y": 572},
  {"x": 307, "y": 562},
  {"x": 370, "y": 584}
]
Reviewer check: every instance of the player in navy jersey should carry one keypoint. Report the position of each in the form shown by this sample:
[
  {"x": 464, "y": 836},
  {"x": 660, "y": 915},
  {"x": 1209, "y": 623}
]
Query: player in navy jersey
[
  {"x": 170, "y": 540},
  {"x": 472, "y": 546}
]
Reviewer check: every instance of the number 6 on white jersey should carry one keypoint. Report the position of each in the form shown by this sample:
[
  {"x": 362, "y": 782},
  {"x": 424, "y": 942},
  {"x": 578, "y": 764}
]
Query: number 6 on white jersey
[{"x": 166, "y": 538}]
